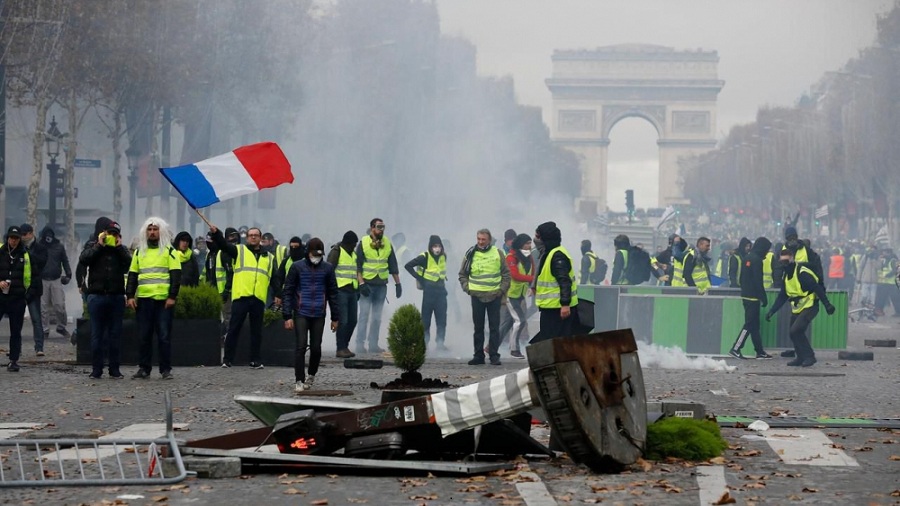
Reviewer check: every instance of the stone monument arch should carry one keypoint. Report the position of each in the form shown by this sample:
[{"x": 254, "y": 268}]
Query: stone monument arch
[{"x": 675, "y": 91}]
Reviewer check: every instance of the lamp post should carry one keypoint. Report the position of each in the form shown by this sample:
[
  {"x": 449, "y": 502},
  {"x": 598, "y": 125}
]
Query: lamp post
[
  {"x": 132, "y": 155},
  {"x": 53, "y": 139}
]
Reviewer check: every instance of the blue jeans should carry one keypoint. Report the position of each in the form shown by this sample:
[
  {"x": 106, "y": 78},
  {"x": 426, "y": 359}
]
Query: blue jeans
[
  {"x": 152, "y": 316},
  {"x": 371, "y": 305},
  {"x": 106, "y": 313},
  {"x": 34, "y": 309},
  {"x": 347, "y": 308}
]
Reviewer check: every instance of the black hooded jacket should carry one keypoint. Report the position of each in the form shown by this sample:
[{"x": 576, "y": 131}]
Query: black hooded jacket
[
  {"x": 100, "y": 225},
  {"x": 57, "y": 259},
  {"x": 102, "y": 268},
  {"x": 421, "y": 262},
  {"x": 737, "y": 258},
  {"x": 752, "y": 287},
  {"x": 190, "y": 269},
  {"x": 560, "y": 266},
  {"x": 12, "y": 267}
]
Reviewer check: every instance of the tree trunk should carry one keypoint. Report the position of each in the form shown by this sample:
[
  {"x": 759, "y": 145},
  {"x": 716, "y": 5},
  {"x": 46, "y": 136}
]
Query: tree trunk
[
  {"x": 37, "y": 166},
  {"x": 69, "y": 171},
  {"x": 117, "y": 160}
]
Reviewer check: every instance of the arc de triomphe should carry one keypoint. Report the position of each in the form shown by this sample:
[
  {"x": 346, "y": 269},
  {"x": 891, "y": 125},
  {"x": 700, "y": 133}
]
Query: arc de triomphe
[{"x": 592, "y": 90}]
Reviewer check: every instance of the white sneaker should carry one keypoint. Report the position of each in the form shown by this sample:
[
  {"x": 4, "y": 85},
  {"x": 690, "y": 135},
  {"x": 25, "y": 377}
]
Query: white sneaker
[
  {"x": 309, "y": 381},
  {"x": 300, "y": 387}
]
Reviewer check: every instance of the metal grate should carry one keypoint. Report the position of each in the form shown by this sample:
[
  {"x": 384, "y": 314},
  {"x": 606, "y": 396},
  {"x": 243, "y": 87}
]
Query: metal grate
[{"x": 86, "y": 462}]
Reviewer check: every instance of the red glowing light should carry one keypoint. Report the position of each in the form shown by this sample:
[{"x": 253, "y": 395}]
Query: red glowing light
[{"x": 303, "y": 443}]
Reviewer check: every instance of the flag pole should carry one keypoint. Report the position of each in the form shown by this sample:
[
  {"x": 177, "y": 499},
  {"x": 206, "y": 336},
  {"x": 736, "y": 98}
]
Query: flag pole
[{"x": 210, "y": 225}]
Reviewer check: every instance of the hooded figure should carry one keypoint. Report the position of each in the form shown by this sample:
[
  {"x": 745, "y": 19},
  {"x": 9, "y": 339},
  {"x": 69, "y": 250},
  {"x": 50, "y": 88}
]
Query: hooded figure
[
  {"x": 54, "y": 275},
  {"x": 190, "y": 270},
  {"x": 753, "y": 296},
  {"x": 559, "y": 316},
  {"x": 57, "y": 266},
  {"x": 736, "y": 262},
  {"x": 80, "y": 270},
  {"x": 430, "y": 270},
  {"x": 348, "y": 292},
  {"x": 620, "y": 262}
]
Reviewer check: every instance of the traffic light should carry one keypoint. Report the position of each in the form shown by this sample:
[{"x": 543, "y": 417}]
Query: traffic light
[{"x": 629, "y": 201}]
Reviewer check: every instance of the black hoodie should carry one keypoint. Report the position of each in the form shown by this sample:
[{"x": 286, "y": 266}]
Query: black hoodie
[
  {"x": 736, "y": 260},
  {"x": 57, "y": 259},
  {"x": 418, "y": 265},
  {"x": 752, "y": 287},
  {"x": 190, "y": 269},
  {"x": 100, "y": 225}
]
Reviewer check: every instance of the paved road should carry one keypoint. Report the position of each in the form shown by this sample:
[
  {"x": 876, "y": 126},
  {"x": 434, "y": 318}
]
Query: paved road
[{"x": 53, "y": 391}]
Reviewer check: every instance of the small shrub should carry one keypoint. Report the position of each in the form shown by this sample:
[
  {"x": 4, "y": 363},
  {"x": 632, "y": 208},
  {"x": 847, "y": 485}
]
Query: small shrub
[
  {"x": 201, "y": 302},
  {"x": 684, "y": 438},
  {"x": 406, "y": 338}
]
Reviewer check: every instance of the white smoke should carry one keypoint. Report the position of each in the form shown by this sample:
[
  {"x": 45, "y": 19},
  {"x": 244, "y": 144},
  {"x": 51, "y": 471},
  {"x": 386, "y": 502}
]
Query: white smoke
[{"x": 662, "y": 357}]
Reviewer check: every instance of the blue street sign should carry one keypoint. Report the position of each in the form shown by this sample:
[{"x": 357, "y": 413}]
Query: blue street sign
[{"x": 84, "y": 163}]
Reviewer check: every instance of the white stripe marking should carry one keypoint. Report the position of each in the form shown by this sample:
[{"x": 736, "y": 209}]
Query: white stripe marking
[
  {"x": 808, "y": 447},
  {"x": 131, "y": 432},
  {"x": 534, "y": 493},
  {"x": 711, "y": 480},
  {"x": 227, "y": 176},
  {"x": 11, "y": 430}
]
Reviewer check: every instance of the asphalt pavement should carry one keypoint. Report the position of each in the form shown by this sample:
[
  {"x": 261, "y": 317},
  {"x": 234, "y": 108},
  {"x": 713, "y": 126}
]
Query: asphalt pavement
[{"x": 55, "y": 392}]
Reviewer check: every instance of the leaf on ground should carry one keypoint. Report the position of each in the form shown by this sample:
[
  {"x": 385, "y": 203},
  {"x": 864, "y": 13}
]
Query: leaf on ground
[
  {"x": 106, "y": 399},
  {"x": 26, "y": 391},
  {"x": 725, "y": 499},
  {"x": 599, "y": 489},
  {"x": 749, "y": 453},
  {"x": 319, "y": 502},
  {"x": 63, "y": 412},
  {"x": 424, "y": 497},
  {"x": 160, "y": 498},
  {"x": 894, "y": 457},
  {"x": 837, "y": 446},
  {"x": 863, "y": 449},
  {"x": 355, "y": 500},
  {"x": 293, "y": 491},
  {"x": 718, "y": 461},
  {"x": 758, "y": 484},
  {"x": 644, "y": 465},
  {"x": 88, "y": 416},
  {"x": 808, "y": 489}
]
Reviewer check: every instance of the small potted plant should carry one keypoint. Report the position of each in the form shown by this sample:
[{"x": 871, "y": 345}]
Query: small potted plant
[{"x": 406, "y": 342}]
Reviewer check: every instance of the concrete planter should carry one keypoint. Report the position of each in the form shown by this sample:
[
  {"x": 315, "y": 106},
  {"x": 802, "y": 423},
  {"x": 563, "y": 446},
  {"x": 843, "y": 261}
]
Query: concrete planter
[{"x": 194, "y": 343}]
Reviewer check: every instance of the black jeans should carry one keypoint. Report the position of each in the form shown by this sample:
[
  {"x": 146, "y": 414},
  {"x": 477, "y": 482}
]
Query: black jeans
[
  {"x": 492, "y": 309},
  {"x": 347, "y": 306},
  {"x": 553, "y": 325},
  {"x": 308, "y": 330},
  {"x": 751, "y": 328},
  {"x": 106, "y": 313},
  {"x": 14, "y": 309},
  {"x": 240, "y": 308},
  {"x": 152, "y": 316},
  {"x": 434, "y": 302},
  {"x": 799, "y": 324}
]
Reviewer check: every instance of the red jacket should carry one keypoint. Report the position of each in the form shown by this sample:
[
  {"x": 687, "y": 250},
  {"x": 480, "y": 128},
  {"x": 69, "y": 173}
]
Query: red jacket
[{"x": 512, "y": 261}]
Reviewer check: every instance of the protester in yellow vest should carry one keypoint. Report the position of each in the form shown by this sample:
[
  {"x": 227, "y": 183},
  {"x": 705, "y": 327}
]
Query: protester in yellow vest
[
  {"x": 253, "y": 268},
  {"x": 430, "y": 270},
  {"x": 521, "y": 271},
  {"x": 343, "y": 257},
  {"x": 802, "y": 288},
  {"x": 555, "y": 291},
  {"x": 375, "y": 260},
  {"x": 485, "y": 277},
  {"x": 153, "y": 282},
  {"x": 696, "y": 266},
  {"x": 15, "y": 286}
]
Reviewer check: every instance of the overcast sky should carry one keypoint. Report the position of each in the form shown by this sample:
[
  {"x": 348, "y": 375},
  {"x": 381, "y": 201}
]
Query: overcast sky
[{"x": 770, "y": 52}]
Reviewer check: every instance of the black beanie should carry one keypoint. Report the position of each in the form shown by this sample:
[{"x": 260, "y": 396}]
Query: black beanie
[
  {"x": 549, "y": 233},
  {"x": 350, "y": 238},
  {"x": 519, "y": 241}
]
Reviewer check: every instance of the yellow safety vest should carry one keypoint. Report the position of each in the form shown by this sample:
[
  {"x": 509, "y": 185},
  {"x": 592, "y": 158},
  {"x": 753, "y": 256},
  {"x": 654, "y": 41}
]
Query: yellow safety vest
[
  {"x": 26, "y": 272},
  {"x": 768, "y": 282},
  {"x": 800, "y": 299},
  {"x": 221, "y": 275},
  {"x": 719, "y": 268},
  {"x": 345, "y": 270},
  {"x": 700, "y": 276},
  {"x": 376, "y": 262},
  {"x": 678, "y": 271},
  {"x": 484, "y": 272},
  {"x": 623, "y": 280},
  {"x": 547, "y": 288},
  {"x": 887, "y": 273},
  {"x": 517, "y": 288},
  {"x": 152, "y": 267},
  {"x": 251, "y": 276},
  {"x": 281, "y": 252},
  {"x": 592, "y": 258},
  {"x": 434, "y": 270}
]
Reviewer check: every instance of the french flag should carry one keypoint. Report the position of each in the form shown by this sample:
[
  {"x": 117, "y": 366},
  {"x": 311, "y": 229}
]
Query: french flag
[{"x": 247, "y": 169}]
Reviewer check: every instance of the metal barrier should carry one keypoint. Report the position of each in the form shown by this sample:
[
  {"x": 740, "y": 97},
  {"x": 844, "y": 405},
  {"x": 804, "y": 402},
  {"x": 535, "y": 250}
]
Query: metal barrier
[{"x": 86, "y": 462}]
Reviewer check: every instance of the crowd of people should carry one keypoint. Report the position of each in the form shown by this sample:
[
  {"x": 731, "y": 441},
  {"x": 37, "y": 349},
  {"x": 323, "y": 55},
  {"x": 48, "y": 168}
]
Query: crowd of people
[{"x": 348, "y": 282}]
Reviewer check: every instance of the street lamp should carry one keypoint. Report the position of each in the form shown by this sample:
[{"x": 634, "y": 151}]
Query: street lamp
[
  {"x": 132, "y": 155},
  {"x": 53, "y": 138}
]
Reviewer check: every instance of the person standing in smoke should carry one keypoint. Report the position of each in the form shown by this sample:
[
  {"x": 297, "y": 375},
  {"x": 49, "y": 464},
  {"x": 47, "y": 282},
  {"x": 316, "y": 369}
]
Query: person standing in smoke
[
  {"x": 521, "y": 271},
  {"x": 555, "y": 289},
  {"x": 343, "y": 257},
  {"x": 430, "y": 270},
  {"x": 484, "y": 276},
  {"x": 753, "y": 295},
  {"x": 55, "y": 274},
  {"x": 375, "y": 261},
  {"x": 309, "y": 285}
]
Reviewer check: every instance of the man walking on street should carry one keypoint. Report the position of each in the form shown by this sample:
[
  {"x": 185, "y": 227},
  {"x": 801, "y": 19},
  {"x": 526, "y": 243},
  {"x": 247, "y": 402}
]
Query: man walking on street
[
  {"x": 253, "y": 268},
  {"x": 55, "y": 274},
  {"x": 153, "y": 282},
  {"x": 38, "y": 254},
  {"x": 15, "y": 284},
  {"x": 485, "y": 277},
  {"x": 106, "y": 261},
  {"x": 753, "y": 295},
  {"x": 430, "y": 271},
  {"x": 375, "y": 259},
  {"x": 343, "y": 257}
]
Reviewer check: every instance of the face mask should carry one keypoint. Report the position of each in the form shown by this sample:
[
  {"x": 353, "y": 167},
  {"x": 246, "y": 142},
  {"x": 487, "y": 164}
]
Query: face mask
[
  {"x": 315, "y": 260},
  {"x": 436, "y": 251},
  {"x": 525, "y": 253}
]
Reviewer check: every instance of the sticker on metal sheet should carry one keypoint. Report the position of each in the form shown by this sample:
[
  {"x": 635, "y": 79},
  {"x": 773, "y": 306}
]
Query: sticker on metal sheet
[
  {"x": 409, "y": 414},
  {"x": 684, "y": 414}
]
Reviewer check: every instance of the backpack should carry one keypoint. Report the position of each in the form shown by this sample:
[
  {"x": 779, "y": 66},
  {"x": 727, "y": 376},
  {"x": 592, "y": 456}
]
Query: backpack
[
  {"x": 599, "y": 273},
  {"x": 638, "y": 269}
]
